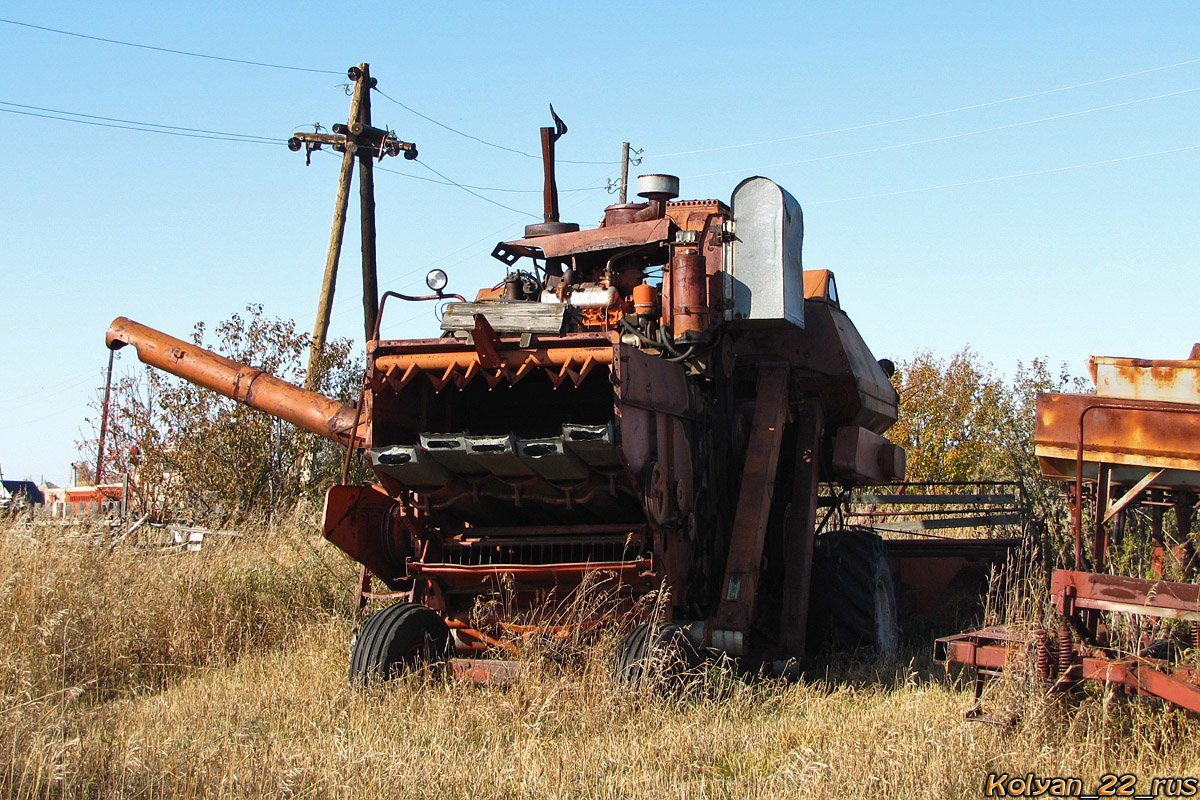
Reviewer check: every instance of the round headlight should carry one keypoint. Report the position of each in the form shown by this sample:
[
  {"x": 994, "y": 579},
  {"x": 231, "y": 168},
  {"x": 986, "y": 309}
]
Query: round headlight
[{"x": 436, "y": 280}]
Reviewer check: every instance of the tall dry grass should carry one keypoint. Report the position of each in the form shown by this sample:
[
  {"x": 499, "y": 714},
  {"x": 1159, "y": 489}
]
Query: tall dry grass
[{"x": 223, "y": 674}]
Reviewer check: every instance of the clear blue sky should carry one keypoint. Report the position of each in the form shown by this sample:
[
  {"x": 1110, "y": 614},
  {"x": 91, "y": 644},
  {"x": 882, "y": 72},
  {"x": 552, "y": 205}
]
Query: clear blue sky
[{"x": 979, "y": 227}]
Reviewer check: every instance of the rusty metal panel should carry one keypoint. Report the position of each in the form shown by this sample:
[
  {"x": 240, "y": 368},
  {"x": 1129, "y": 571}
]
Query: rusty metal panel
[
  {"x": 944, "y": 580},
  {"x": 875, "y": 391},
  {"x": 652, "y": 383},
  {"x": 1135, "y": 433},
  {"x": 566, "y": 575},
  {"x": 357, "y": 520},
  {"x": 742, "y": 568},
  {"x": 833, "y": 361},
  {"x": 487, "y": 671},
  {"x": 1143, "y": 379},
  {"x": 564, "y": 244},
  {"x": 860, "y": 455},
  {"x": 1072, "y": 589}
]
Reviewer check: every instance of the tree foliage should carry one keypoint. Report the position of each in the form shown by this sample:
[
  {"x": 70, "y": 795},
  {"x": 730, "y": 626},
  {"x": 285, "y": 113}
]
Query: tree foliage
[
  {"x": 190, "y": 453},
  {"x": 961, "y": 421}
]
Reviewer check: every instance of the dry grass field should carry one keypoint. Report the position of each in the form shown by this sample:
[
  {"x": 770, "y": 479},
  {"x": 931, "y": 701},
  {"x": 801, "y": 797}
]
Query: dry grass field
[{"x": 223, "y": 674}]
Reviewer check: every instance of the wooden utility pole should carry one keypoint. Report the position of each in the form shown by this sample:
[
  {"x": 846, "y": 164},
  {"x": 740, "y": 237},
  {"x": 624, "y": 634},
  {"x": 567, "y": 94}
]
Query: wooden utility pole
[
  {"x": 356, "y": 138},
  {"x": 624, "y": 172},
  {"x": 104, "y": 418},
  {"x": 366, "y": 192},
  {"x": 312, "y": 379}
]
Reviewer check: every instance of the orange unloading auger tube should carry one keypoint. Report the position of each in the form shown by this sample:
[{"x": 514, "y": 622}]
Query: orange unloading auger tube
[{"x": 253, "y": 387}]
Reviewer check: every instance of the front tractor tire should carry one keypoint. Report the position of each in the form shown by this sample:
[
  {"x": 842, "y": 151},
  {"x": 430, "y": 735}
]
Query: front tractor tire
[
  {"x": 853, "y": 599},
  {"x": 402, "y": 637}
]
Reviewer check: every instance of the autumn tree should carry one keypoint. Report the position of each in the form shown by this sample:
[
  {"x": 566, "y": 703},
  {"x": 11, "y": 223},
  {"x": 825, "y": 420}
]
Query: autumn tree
[
  {"x": 961, "y": 421},
  {"x": 192, "y": 453}
]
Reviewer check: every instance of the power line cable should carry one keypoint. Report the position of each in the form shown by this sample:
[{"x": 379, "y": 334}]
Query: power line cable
[
  {"x": 245, "y": 139},
  {"x": 475, "y": 194},
  {"x": 476, "y": 138},
  {"x": 930, "y": 114},
  {"x": 436, "y": 182},
  {"x": 1007, "y": 177},
  {"x": 949, "y": 137},
  {"x": 170, "y": 50},
  {"x": 484, "y": 188},
  {"x": 264, "y": 139},
  {"x": 286, "y": 67}
]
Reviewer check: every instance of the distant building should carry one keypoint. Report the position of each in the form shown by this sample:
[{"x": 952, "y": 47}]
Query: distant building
[{"x": 85, "y": 501}]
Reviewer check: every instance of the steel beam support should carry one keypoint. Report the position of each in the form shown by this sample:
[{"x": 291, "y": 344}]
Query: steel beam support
[
  {"x": 800, "y": 529},
  {"x": 743, "y": 568}
]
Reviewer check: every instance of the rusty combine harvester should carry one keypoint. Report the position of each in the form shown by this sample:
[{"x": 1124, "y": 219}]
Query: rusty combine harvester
[
  {"x": 1133, "y": 447},
  {"x": 651, "y": 403}
]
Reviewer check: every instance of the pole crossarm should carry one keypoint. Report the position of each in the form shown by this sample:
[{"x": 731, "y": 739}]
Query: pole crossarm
[{"x": 356, "y": 139}]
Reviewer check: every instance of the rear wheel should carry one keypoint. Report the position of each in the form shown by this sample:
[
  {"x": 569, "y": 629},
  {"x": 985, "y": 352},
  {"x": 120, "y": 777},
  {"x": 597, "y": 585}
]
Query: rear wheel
[
  {"x": 400, "y": 637},
  {"x": 655, "y": 653},
  {"x": 853, "y": 600}
]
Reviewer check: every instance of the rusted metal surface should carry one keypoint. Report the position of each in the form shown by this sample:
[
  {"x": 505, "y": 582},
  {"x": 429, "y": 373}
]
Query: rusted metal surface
[
  {"x": 832, "y": 361},
  {"x": 689, "y": 311},
  {"x": 742, "y": 568},
  {"x": 1137, "y": 442},
  {"x": 1145, "y": 379},
  {"x": 487, "y": 671},
  {"x": 462, "y": 364},
  {"x": 359, "y": 521},
  {"x": 1139, "y": 435},
  {"x": 800, "y": 529},
  {"x": 860, "y": 455},
  {"x": 993, "y": 650},
  {"x": 456, "y": 577},
  {"x": 307, "y": 410},
  {"x": 1144, "y": 677},
  {"x": 989, "y": 649},
  {"x": 945, "y": 580},
  {"x": 1115, "y": 442},
  {"x": 589, "y": 241},
  {"x": 550, "y": 192},
  {"x": 1073, "y": 589}
]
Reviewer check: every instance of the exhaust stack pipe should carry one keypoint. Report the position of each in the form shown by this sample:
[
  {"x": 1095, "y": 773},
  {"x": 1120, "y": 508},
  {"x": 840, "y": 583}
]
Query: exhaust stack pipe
[{"x": 249, "y": 385}]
